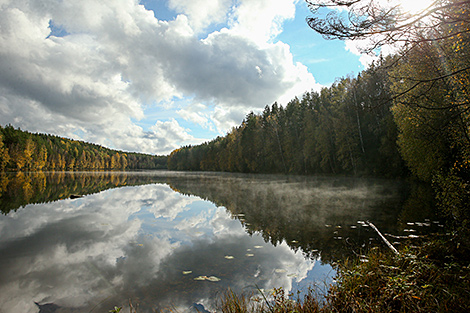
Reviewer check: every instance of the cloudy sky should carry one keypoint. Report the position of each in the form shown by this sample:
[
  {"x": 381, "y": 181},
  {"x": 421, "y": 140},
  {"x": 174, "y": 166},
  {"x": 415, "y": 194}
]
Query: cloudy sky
[{"x": 153, "y": 75}]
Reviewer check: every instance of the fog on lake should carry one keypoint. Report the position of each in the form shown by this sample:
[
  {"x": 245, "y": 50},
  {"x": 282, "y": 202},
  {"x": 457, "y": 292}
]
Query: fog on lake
[{"x": 89, "y": 241}]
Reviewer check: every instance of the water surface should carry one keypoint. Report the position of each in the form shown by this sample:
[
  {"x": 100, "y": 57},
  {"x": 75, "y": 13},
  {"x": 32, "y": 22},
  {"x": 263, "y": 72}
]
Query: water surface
[{"x": 177, "y": 241}]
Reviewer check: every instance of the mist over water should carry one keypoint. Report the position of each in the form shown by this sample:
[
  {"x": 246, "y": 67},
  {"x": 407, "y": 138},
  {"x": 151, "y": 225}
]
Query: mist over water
[{"x": 178, "y": 240}]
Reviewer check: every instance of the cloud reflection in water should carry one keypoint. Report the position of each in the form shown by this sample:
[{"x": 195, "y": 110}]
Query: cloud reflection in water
[{"x": 135, "y": 242}]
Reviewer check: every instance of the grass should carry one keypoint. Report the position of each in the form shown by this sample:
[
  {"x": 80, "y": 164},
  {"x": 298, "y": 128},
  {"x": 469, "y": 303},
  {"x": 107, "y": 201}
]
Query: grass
[
  {"x": 278, "y": 302},
  {"x": 434, "y": 277}
]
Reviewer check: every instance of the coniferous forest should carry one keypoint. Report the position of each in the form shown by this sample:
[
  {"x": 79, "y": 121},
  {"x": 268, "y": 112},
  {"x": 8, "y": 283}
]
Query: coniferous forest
[
  {"x": 21, "y": 150},
  {"x": 345, "y": 129},
  {"x": 405, "y": 116}
]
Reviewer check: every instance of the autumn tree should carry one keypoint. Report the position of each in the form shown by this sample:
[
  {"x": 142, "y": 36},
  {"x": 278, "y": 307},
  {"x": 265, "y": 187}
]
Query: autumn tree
[
  {"x": 4, "y": 154},
  {"x": 22, "y": 150}
]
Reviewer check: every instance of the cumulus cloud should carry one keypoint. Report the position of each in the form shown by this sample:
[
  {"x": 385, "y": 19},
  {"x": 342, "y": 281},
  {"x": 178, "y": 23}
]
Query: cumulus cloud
[
  {"x": 262, "y": 20},
  {"x": 196, "y": 113},
  {"x": 114, "y": 60},
  {"x": 202, "y": 13}
]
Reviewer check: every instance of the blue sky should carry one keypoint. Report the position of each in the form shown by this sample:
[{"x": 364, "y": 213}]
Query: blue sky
[{"x": 154, "y": 75}]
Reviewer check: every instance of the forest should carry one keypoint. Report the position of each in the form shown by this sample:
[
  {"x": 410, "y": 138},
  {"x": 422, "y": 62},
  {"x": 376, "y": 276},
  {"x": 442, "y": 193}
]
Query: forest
[
  {"x": 24, "y": 151},
  {"x": 359, "y": 126},
  {"x": 345, "y": 129},
  {"x": 407, "y": 115}
]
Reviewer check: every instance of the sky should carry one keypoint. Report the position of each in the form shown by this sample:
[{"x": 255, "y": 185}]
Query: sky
[{"x": 154, "y": 75}]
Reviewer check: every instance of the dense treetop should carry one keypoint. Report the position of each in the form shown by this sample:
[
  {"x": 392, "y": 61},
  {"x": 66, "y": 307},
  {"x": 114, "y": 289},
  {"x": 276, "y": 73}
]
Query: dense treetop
[{"x": 21, "y": 150}]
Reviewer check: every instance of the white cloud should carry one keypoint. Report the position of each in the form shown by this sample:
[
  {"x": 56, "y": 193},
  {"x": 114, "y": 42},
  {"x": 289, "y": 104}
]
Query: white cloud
[
  {"x": 202, "y": 13},
  {"x": 261, "y": 20},
  {"x": 196, "y": 113},
  {"x": 117, "y": 58},
  {"x": 354, "y": 46}
]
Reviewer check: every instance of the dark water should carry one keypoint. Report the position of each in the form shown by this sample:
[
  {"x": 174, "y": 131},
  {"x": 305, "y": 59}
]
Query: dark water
[{"x": 177, "y": 241}]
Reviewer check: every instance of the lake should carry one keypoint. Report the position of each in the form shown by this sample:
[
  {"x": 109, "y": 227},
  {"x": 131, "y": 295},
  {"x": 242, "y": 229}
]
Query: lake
[{"x": 87, "y": 241}]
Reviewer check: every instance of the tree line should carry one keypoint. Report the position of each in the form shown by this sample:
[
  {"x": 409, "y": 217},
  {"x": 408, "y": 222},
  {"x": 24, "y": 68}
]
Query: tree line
[
  {"x": 22, "y": 150},
  {"x": 406, "y": 115},
  {"x": 345, "y": 129}
]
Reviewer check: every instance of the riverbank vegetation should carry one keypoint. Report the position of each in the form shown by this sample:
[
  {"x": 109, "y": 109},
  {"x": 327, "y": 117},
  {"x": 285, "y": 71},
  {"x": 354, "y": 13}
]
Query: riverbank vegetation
[
  {"x": 433, "y": 277},
  {"x": 24, "y": 151}
]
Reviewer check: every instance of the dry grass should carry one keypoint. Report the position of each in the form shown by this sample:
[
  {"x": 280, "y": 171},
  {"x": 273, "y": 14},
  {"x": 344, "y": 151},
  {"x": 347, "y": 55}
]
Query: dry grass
[{"x": 434, "y": 277}]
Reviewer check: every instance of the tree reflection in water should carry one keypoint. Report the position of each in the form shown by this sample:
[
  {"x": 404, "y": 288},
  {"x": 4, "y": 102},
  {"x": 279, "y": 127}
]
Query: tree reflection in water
[{"x": 151, "y": 244}]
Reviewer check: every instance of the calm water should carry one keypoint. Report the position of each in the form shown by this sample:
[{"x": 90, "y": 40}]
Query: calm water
[{"x": 168, "y": 240}]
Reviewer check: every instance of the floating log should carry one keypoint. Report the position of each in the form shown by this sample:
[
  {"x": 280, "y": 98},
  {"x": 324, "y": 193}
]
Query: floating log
[{"x": 383, "y": 238}]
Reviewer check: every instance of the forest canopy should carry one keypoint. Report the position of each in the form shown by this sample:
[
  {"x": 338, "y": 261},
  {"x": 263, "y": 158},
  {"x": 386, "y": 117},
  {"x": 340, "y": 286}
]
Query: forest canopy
[
  {"x": 345, "y": 129},
  {"x": 21, "y": 150}
]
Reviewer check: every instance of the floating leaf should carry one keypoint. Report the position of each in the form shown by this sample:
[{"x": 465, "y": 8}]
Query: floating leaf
[
  {"x": 213, "y": 278},
  {"x": 140, "y": 244},
  {"x": 187, "y": 272},
  {"x": 210, "y": 278},
  {"x": 280, "y": 270},
  {"x": 229, "y": 257},
  {"x": 249, "y": 254},
  {"x": 258, "y": 247}
]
